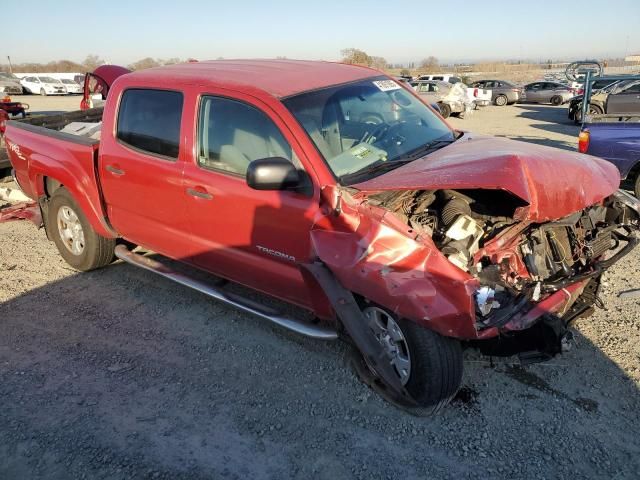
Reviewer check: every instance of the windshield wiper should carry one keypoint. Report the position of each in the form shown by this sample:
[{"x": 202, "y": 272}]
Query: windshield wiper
[
  {"x": 386, "y": 165},
  {"x": 424, "y": 149}
]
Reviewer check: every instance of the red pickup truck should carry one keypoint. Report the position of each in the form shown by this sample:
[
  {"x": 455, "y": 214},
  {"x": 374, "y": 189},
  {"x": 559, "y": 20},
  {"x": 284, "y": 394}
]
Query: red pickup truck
[{"x": 335, "y": 188}]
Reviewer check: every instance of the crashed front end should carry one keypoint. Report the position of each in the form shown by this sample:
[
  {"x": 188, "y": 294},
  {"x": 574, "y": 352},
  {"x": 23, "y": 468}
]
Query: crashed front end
[{"x": 471, "y": 264}]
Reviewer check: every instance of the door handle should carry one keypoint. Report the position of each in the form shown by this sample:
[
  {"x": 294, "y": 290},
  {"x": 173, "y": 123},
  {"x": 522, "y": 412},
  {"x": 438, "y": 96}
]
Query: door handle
[
  {"x": 114, "y": 170},
  {"x": 199, "y": 194}
]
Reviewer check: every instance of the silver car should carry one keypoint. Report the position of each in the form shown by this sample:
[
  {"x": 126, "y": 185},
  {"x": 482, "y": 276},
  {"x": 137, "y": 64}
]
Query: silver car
[{"x": 547, "y": 92}]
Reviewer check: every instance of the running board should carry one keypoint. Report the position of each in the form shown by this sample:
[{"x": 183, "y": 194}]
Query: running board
[{"x": 313, "y": 331}]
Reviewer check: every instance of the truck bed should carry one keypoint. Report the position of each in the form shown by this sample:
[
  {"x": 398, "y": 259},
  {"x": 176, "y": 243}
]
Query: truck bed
[{"x": 50, "y": 125}]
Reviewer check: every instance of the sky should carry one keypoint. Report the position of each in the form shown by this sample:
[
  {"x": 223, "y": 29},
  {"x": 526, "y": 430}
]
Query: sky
[{"x": 453, "y": 31}]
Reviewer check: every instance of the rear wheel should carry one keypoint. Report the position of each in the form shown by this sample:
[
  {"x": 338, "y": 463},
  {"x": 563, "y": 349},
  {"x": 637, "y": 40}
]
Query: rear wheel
[
  {"x": 636, "y": 187},
  {"x": 445, "y": 110},
  {"x": 77, "y": 242},
  {"x": 427, "y": 364},
  {"x": 501, "y": 100},
  {"x": 557, "y": 100}
]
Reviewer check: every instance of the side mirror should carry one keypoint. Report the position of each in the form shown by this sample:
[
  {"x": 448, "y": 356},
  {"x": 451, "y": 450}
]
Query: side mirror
[{"x": 274, "y": 173}]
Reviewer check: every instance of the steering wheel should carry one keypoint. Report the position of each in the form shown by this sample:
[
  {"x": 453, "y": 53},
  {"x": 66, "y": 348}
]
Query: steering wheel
[{"x": 385, "y": 133}]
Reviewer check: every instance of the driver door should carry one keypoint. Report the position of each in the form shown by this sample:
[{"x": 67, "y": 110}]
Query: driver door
[{"x": 254, "y": 237}]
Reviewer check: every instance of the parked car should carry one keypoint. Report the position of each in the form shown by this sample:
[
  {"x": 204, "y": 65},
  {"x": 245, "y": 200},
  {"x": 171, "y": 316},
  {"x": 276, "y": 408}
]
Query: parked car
[
  {"x": 615, "y": 138},
  {"x": 407, "y": 237},
  {"x": 71, "y": 86},
  {"x": 9, "y": 84},
  {"x": 451, "y": 99},
  {"x": 624, "y": 98},
  {"x": 621, "y": 96},
  {"x": 547, "y": 92},
  {"x": 502, "y": 92},
  {"x": 43, "y": 85},
  {"x": 599, "y": 93}
]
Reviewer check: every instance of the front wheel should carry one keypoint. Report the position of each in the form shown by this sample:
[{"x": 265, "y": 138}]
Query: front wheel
[
  {"x": 445, "y": 110},
  {"x": 77, "y": 242},
  {"x": 42, "y": 92},
  {"x": 557, "y": 100},
  {"x": 428, "y": 365}
]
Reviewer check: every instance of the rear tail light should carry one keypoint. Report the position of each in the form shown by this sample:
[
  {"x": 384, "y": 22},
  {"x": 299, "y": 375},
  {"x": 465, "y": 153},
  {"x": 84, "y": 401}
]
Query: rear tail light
[
  {"x": 3, "y": 121},
  {"x": 580, "y": 91},
  {"x": 475, "y": 92},
  {"x": 583, "y": 141}
]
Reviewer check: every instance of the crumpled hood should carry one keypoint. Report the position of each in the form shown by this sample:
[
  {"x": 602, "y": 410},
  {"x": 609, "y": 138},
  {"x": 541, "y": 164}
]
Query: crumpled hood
[{"x": 555, "y": 183}]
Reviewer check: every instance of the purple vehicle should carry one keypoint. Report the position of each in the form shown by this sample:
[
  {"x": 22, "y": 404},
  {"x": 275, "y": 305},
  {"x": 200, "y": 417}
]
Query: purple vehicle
[{"x": 616, "y": 138}]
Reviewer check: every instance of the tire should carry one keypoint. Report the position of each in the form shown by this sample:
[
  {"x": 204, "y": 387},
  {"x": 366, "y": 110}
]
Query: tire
[
  {"x": 97, "y": 251},
  {"x": 42, "y": 92},
  {"x": 501, "y": 100},
  {"x": 436, "y": 367},
  {"x": 557, "y": 100},
  {"x": 445, "y": 110},
  {"x": 636, "y": 187},
  {"x": 593, "y": 110},
  {"x": 426, "y": 363}
]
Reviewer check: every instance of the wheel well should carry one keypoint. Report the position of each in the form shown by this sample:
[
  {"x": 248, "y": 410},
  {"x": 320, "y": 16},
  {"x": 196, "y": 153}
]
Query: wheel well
[
  {"x": 633, "y": 173},
  {"x": 50, "y": 186}
]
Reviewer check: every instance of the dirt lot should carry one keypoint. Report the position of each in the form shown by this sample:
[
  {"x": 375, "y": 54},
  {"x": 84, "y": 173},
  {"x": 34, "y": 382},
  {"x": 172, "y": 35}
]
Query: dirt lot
[{"x": 119, "y": 374}]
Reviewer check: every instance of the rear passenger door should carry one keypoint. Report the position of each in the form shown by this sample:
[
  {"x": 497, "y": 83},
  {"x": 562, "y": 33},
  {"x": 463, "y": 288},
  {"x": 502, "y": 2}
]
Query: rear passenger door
[
  {"x": 534, "y": 92},
  {"x": 253, "y": 237},
  {"x": 141, "y": 171}
]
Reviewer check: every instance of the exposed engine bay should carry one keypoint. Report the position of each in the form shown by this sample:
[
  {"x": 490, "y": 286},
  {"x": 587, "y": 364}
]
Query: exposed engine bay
[{"x": 517, "y": 262}]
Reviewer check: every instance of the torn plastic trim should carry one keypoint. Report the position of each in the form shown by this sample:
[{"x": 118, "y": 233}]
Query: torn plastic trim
[{"x": 357, "y": 325}]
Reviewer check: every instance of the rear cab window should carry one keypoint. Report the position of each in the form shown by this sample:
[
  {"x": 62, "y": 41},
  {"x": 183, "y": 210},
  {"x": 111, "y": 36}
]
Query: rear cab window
[{"x": 149, "y": 121}]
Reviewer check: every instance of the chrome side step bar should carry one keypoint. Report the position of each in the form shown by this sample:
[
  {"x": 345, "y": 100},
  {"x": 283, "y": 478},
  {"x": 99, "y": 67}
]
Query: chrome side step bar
[{"x": 313, "y": 331}]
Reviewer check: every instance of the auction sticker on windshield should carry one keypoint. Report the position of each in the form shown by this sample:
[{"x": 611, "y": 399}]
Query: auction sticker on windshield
[{"x": 386, "y": 85}]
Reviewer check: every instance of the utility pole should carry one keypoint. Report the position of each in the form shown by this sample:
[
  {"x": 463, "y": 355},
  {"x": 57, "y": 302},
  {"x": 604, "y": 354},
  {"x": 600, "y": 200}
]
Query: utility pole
[{"x": 10, "y": 67}]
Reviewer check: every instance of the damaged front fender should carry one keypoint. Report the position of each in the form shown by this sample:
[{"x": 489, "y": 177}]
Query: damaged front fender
[{"x": 375, "y": 255}]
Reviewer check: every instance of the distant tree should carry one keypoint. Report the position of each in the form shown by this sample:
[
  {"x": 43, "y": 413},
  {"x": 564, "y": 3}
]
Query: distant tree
[
  {"x": 379, "y": 63},
  {"x": 356, "y": 57},
  {"x": 147, "y": 62},
  {"x": 430, "y": 65},
  {"x": 172, "y": 61},
  {"x": 405, "y": 72},
  {"x": 91, "y": 62}
]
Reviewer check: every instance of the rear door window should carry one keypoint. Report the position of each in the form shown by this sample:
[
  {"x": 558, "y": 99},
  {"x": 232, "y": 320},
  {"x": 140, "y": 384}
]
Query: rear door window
[{"x": 149, "y": 120}]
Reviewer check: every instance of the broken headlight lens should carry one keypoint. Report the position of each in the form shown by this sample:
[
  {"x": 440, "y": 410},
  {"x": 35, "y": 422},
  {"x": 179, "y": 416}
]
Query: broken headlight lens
[{"x": 486, "y": 300}]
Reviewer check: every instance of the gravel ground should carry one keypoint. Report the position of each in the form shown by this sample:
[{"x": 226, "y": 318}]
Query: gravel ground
[{"x": 120, "y": 374}]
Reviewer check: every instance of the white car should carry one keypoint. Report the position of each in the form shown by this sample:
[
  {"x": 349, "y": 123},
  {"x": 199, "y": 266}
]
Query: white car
[
  {"x": 71, "y": 86},
  {"x": 43, "y": 85}
]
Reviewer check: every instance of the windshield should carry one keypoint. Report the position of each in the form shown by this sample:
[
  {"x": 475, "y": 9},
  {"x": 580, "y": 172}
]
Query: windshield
[
  {"x": 68, "y": 82},
  {"x": 48, "y": 80},
  {"x": 365, "y": 128},
  {"x": 8, "y": 76}
]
